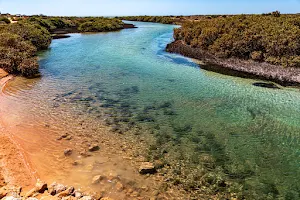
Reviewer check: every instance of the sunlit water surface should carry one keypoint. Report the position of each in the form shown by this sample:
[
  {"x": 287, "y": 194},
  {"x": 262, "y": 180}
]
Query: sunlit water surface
[{"x": 213, "y": 130}]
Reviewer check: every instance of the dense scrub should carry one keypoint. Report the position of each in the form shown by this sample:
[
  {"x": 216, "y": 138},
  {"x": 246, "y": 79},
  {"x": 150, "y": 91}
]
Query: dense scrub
[
  {"x": 272, "y": 38},
  {"x": 4, "y": 20},
  {"x": 100, "y": 25},
  {"x": 79, "y": 24},
  {"x": 156, "y": 19},
  {"x": 17, "y": 55},
  {"x": 19, "y": 43}
]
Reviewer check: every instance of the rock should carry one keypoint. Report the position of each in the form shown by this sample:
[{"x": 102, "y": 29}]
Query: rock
[
  {"x": 56, "y": 188},
  {"x": 77, "y": 194},
  {"x": 69, "y": 137},
  {"x": 63, "y": 136},
  {"x": 31, "y": 193},
  {"x": 84, "y": 154},
  {"x": 93, "y": 148},
  {"x": 49, "y": 198},
  {"x": 3, "y": 192},
  {"x": 68, "y": 152},
  {"x": 69, "y": 198},
  {"x": 12, "y": 198},
  {"x": 65, "y": 193},
  {"x": 135, "y": 194},
  {"x": 31, "y": 198},
  {"x": 119, "y": 186},
  {"x": 97, "y": 179},
  {"x": 86, "y": 198},
  {"x": 106, "y": 198},
  {"x": 14, "y": 191},
  {"x": 77, "y": 162},
  {"x": 147, "y": 168},
  {"x": 112, "y": 175},
  {"x": 266, "y": 85},
  {"x": 40, "y": 186}
]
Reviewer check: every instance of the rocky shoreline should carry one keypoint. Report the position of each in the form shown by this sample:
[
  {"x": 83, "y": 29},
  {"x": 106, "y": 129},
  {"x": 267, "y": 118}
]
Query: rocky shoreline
[
  {"x": 238, "y": 67},
  {"x": 42, "y": 190}
]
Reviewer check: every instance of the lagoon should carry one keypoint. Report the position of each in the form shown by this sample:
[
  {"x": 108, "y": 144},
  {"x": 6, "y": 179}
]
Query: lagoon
[{"x": 217, "y": 134}]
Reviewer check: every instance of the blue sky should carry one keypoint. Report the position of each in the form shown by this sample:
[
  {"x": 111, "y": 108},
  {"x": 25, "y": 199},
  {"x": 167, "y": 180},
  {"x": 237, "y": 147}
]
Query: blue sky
[{"x": 146, "y": 7}]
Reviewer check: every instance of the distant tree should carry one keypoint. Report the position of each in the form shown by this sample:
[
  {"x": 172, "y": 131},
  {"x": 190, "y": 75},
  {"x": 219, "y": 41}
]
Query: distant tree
[{"x": 276, "y": 13}]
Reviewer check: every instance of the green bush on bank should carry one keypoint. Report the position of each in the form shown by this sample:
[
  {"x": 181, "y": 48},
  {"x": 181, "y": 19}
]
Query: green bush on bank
[
  {"x": 4, "y": 20},
  {"x": 34, "y": 33},
  {"x": 101, "y": 25},
  {"x": 17, "y": 55},
  {"x": 271, "y": 38},
  {"x": 19, "y": 43},
  {"x": 155, "y": 19}
]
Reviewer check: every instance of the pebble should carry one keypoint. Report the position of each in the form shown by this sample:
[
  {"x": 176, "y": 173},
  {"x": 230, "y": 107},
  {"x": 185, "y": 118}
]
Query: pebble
[
  {"x": 93, "y": 148},
  {"x": 119, "y": 186},
  {"x": 68, "y": 152},
  {"x": 97, "y": 179}
]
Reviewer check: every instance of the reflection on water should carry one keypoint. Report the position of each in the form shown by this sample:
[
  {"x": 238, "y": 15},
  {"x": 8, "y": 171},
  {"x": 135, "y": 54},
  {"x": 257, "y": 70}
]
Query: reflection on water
[{"x": 213, "y": 134}]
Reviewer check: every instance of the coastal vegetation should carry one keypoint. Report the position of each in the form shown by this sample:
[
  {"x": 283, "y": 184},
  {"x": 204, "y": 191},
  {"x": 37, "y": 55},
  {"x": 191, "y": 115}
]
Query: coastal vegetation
[
  {"x": 100, "y": 25},
  {"x": 79, "y": 24},
  {"x": 19, "y": 42},
  {"x": 271, "y": 38},
  {"x": 155, "y": 19},
  {"x": 4, "y": 20}
]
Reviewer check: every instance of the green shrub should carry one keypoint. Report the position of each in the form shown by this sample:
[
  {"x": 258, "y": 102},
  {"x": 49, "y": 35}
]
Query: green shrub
[
  {"x": 156, "y": 19},
  {"x": 271, "y": 38},
  {"x": 17, "y": 55},
  {"x": 34, "y": 33},
  {"x": 100, "y": 25},
  {"x": 4, "y": 19}
]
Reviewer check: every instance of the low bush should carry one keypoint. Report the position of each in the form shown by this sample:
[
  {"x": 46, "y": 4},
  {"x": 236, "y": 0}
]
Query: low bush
[
  {"x": 155, "y": 19},
  {"x": 17, "y": 56},
  {"x": 272, "y": 38}
]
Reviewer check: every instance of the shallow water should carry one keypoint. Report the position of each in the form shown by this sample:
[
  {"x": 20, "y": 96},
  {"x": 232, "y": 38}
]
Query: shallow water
[{"x": 218, "y": 134}]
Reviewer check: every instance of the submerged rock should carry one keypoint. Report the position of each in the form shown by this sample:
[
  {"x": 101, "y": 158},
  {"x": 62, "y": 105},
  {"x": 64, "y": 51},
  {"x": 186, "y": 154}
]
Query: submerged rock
[
  {"x": 147, "y": 168},
  {"x": 63, "y": 136},
  {"x": 97, "y": 179},
  {"x": 266, "y": 85},
  {"x": 68, "y": 152},
  {"x": 94, "y": 147},
  {"x": 119, "y": 186}
]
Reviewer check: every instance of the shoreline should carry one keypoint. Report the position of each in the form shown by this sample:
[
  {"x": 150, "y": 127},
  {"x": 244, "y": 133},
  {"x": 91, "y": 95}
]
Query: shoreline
[
  {"x": 237, "y": 67},
  {"x": 27, "y": 149}
]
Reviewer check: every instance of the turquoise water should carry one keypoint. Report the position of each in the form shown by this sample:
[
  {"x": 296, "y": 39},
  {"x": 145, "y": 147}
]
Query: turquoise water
[{"x": 217, "y": 134}]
